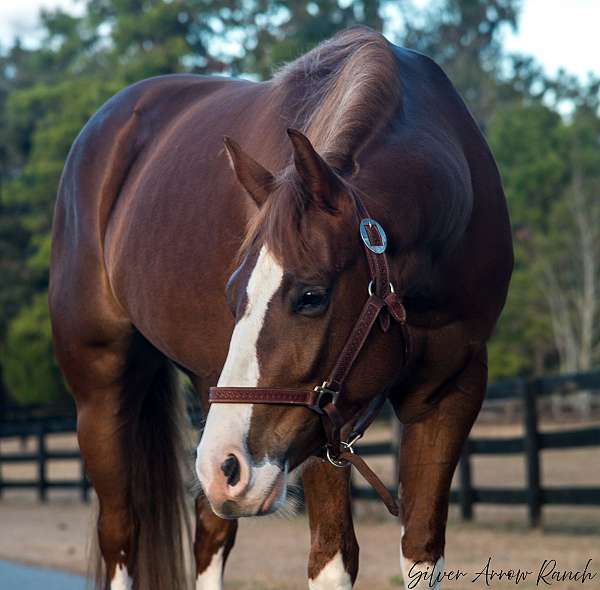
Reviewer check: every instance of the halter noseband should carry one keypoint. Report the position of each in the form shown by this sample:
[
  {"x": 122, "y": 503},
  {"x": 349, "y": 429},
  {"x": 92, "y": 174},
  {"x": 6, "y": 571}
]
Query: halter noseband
[{"x": 383, "y": 303}]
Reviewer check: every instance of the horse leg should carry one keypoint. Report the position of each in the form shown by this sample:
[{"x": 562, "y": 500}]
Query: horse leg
[
  {"x": 214, "y": 540},
  {"x": 430, "y": 449},
  {"x": 215, "y": 536},
  {"x": 333, "y": 561},
  {"x": 127, "y": 426},
  {"x": 98, "y": 430}
]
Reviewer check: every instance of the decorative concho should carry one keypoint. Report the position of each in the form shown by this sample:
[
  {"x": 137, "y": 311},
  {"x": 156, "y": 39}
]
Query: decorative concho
[{"x": 364, "y": 234}]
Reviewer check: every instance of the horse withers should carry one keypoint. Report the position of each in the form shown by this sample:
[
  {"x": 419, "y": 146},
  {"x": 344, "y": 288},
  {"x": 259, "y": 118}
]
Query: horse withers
[{"x": 258, "y": 269}]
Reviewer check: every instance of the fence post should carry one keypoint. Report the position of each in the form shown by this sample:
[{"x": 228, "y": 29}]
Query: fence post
[
  {"x": 84, "y": 484},
  {"x": 42, "y": 457},
  {"x": 532, "y": 451},
  {"x": 1, "y": 481},
  {"x": 465, "y": 493}
]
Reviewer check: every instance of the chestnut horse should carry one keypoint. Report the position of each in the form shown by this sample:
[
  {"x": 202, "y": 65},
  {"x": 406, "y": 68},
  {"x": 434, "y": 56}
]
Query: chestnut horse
[{"x": 173, "y": 250}]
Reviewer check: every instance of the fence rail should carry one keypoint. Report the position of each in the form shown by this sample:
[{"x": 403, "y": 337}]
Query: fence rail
[
  {"x": 534, "y": 495},
  {"x": 40, "y": 428}
]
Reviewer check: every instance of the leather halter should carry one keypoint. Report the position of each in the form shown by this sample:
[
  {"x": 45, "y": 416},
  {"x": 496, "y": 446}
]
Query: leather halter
[{"x": 383, "y": 304}]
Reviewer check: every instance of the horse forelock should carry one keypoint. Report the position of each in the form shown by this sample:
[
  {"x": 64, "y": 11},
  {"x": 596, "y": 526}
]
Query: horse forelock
[{"x": 287, "y": 225}]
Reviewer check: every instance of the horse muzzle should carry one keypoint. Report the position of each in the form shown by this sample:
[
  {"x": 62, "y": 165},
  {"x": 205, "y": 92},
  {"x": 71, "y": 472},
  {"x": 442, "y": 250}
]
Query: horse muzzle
[{"x": 235, "y": 486}]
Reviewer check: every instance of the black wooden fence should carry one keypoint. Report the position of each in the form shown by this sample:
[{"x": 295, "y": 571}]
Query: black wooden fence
[
  {"x": 40, "y": 427},
  {"x": 534, "y": 495}
]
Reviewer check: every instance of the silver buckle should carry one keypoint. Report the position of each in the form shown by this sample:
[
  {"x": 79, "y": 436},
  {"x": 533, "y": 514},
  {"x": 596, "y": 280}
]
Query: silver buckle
[
  {"x": 324, "y": 389},
  {"x": 364, "y": 234}
]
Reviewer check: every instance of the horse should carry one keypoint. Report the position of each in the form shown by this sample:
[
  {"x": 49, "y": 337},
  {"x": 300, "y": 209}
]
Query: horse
[{"x": 228, "y": 228}]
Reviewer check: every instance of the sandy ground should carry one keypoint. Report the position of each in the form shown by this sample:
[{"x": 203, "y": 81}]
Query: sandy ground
[{"x": 271, "y": 553}]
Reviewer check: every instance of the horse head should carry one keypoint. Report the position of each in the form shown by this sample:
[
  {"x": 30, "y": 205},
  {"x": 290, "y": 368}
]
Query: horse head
[{"x": 296, "y": 296}]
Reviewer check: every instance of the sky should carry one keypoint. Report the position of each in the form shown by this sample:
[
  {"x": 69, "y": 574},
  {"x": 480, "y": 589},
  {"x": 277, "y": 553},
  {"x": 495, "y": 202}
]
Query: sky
[
  {"x": 18, "y": 17},
  {"x": 557, "y": 36}
]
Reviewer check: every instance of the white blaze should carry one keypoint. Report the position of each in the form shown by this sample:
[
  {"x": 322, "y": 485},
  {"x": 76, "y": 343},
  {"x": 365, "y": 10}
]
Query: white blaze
[
  {"x": 121, "y": 581},
  {"x": 332, "y": 577},
  {"x": 241, "y": 367},
  {"x": 227, "y": 425},
  {"x": 212, "y": 577}
]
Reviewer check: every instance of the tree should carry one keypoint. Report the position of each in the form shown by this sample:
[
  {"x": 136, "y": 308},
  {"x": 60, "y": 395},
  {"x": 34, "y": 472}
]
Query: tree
[
  {"x": 551, "y": 172},
  {"x": 273, "y": 32},
  {"x": 528, "y": 142},
  {"x": 464, "y": 37},
  {"x": 549, "y": 165},
  {"x": 46, "y": 95},
  {"x": 27, "y": 358},
  {"x": 569, "y": 253}
]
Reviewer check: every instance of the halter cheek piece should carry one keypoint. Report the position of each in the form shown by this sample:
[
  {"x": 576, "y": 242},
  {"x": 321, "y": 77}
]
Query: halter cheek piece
[{"x": 383, "y": 304}]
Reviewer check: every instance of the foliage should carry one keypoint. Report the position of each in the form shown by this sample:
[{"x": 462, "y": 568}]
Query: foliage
[
  {"x": 464, "y": 36},
  {"x": 550, "y": 164},
  {"x": 274, "y": 32},
  {"x": 27, "y": 360},
  {"x": 551, "y": 170}
]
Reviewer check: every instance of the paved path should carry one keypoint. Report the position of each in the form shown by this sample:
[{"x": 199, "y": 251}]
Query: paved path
[{"x": 14, "y": 576}]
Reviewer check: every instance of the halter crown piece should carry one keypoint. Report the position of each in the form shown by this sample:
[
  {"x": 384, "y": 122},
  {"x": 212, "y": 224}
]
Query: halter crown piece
[{"x": 382, "y": 303}]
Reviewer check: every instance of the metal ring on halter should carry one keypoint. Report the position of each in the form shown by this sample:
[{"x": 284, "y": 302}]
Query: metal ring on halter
[
  {"x": 371, "y": 288},
  {"x": 350, "y": 443},
  {"x": 336, "y": 462}
]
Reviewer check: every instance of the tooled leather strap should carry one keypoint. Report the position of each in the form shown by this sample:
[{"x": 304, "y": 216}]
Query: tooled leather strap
[
  {"x": 342, "y": 453},
  {"x": 365, "y": 419},
  {"x": 333, "y": 422},
  {"x": 355, "y": 342},
  {"x": 261, "y": 395},
  {"x": 390, "y": 502},
  {"x": 378, "y": 263},
  {"x": 309, "y": 397}
]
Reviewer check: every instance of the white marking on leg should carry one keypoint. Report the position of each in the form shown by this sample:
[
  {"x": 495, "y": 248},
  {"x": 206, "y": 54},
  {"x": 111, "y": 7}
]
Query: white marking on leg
[
  {"x": 332, "y": 577},
  {"x": 212, "y": 577},
  {"x": 227, "y": 425},
  {"x": 121, "y": 580},
  {"x": 421, "y": 575}
]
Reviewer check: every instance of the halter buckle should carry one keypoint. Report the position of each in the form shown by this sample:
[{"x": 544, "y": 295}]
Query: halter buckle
[{"x": 323, "y": 390}]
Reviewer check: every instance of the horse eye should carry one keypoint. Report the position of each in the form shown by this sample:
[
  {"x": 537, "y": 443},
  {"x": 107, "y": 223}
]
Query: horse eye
[{"x": 312, "y": 301}]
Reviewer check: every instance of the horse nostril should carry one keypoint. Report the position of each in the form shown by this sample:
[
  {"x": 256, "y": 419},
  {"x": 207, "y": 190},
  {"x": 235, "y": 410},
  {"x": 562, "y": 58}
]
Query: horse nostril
[{"x": 231, "y": 470}]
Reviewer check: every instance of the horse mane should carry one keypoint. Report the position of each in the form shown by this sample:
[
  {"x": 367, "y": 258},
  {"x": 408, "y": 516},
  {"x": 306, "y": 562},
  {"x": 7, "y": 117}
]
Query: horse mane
[{"x": 341, "y": 93}]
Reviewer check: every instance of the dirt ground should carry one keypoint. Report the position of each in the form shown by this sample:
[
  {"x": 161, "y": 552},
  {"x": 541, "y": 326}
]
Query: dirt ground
[{"x": 271, "y": 552}]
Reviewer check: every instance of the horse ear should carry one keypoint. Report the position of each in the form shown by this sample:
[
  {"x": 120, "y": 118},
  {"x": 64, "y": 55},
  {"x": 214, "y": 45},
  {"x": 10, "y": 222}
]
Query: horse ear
[
  {"x": 318, "y": 177},
  {"x": 256, "y": 180}
]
